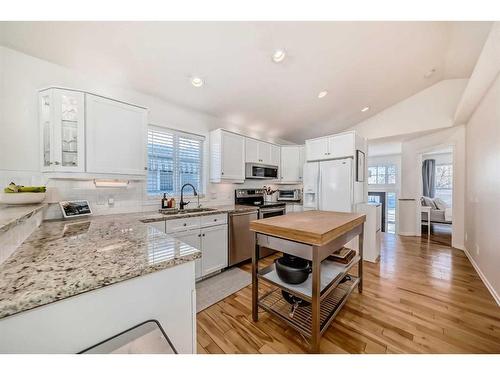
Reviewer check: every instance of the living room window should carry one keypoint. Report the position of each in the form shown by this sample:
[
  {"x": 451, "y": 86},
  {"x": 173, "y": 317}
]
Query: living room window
[
  {"x": 382, "y": 174},
  {"x": 444, "y": 182},
  {"x": 174, "y": 158}
]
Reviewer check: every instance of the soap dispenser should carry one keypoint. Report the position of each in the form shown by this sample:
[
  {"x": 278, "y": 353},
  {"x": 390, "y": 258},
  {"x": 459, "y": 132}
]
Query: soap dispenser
[{"x": 164, "y": 201}]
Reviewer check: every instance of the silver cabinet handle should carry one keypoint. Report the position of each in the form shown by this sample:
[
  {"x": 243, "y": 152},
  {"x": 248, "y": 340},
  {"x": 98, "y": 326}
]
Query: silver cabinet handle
[{"x": 56, "y": 163}]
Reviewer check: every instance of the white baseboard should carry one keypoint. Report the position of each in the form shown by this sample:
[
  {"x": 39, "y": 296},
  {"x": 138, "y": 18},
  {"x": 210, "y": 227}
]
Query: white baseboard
[
  {"x": 485, "y": 281},
  {"x": 413, "y": 234}
]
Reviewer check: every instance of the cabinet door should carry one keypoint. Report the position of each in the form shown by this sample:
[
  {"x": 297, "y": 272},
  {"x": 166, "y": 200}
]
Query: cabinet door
[
  {"x": 341, "y": 145},
  {"x": 317, "y": 149},
  {"x": 193, "y": 239},
  {"x": 116, "y": 137},
  {"x": 251, "y": 150},
  {"x": 275, "y": 155},
  {"x": 290, "y": 164},
  {"x": 264, "y": 153},
  {"x": 233, "y": 156},
  {"x": 63, "y": 130},
  {"x": 214, "y": 249}
]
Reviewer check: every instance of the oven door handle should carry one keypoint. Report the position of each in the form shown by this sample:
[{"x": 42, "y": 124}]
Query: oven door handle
[{"x": 271, "y": 211}]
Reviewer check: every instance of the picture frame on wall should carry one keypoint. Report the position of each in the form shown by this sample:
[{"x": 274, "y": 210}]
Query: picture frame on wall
[{"x": 360, "y": 166}]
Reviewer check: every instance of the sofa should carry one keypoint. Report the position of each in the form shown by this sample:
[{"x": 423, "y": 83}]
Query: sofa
[{"x": 440, "y": 212}]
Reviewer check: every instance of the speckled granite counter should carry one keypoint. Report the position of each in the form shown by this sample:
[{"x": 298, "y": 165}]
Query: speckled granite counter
[
  {"x": 12, "y": 215},
  {"x": 65, "y": 258}
]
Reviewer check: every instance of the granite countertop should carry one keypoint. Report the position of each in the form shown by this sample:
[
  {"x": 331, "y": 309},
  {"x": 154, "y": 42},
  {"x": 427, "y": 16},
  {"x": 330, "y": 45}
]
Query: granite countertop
[
  {"x": 11, "y": 216},
  {"x": 65, "y": 258}
]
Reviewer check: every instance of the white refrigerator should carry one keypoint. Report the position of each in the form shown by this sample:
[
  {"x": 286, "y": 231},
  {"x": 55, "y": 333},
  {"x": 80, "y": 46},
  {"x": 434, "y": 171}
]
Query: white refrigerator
[{"x": 330, "y": 186}]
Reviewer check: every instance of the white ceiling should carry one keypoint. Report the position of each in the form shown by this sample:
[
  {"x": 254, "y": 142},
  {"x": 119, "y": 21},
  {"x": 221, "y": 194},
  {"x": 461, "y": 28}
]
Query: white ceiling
[{"x": 361, "y": 64}]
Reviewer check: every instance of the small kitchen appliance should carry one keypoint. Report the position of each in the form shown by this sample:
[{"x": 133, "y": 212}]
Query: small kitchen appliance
[
  {"x": 75, "y": 208},
  {"x": 290, "y": 195}
]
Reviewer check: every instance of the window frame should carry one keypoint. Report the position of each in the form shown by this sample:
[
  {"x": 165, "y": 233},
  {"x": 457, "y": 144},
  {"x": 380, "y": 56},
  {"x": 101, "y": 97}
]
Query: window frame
[
  {"x": 177, "y": 133},
  {"x": 385, "y": 174}
]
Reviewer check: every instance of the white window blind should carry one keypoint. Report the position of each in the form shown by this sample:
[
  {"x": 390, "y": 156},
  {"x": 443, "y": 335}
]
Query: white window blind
[{"x": 174, "y": 158}]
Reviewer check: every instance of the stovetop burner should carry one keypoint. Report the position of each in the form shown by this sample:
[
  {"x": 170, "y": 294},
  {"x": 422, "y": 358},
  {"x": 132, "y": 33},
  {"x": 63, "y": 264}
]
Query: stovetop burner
[{"x": 255, "y": 198}]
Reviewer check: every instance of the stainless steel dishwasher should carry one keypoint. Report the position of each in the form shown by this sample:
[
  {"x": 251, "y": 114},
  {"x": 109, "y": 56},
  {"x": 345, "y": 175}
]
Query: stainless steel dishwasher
[{"x": 241, "y": 239}]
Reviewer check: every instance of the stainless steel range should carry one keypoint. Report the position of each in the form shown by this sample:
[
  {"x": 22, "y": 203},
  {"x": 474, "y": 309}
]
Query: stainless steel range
[{"x": 255, "y": 198}]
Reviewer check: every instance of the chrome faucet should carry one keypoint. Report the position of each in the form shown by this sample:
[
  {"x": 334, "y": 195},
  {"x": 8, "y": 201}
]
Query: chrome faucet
[{"x": 183, "y": 204}]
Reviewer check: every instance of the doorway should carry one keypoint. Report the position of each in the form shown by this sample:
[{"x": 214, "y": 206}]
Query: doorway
[{"x": 436, "y": 202}]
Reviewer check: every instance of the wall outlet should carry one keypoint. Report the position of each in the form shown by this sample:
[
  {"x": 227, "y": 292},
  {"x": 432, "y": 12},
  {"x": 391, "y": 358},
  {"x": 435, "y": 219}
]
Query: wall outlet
[
  {"x": 466, "y": 236},
  {"x": 477, "y": 249},
  {"x": 111, "y": 201}
]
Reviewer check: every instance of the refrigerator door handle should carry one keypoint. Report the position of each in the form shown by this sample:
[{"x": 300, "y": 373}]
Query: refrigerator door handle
[{"x": 318, "y": 199}]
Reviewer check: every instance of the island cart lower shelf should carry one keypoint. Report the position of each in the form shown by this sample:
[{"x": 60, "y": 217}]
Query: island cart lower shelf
[{"x": 274, "y": 303}]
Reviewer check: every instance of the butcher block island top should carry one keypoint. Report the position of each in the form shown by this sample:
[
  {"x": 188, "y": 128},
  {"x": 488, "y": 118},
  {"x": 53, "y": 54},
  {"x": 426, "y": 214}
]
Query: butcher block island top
[{"x": 310, "y": 227}]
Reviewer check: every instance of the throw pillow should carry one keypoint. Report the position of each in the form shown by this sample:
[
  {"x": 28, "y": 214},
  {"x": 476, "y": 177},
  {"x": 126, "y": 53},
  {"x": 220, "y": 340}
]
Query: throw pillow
[
  {"x": 429, "y": 202},
  {"x": 440, "y": 204}
]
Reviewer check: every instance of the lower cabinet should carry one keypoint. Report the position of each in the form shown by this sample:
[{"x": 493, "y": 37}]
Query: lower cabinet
[
  {"x": 192, "y": 238},
  {"x": 213, "y": 249},
  {"x": 294, "y": 207},
  {"x": 210, "y": 240}
]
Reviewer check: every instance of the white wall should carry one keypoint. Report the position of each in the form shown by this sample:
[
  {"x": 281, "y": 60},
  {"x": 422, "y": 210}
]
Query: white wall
[
  {"x": 440, "y": 158},
  {"x": 411, "y": 184},
  {"x": 21, "y": 76},
  {"x": 483, "y": 188},
  {"x": 432, "y": 108}
]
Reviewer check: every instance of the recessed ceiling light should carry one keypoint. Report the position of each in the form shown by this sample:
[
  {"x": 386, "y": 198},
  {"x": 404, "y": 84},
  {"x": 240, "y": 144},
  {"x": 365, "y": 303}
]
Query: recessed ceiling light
[
  {"x": 364, "y": 109},
  {"x": 196, "y": 81},
  {"x": 279, "y": 55},
  {"x": 322, "y": 94}
]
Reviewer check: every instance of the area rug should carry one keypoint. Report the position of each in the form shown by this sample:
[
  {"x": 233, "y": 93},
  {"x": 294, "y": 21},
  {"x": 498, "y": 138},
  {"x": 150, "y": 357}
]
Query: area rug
[{"x": 218, "y": 287}]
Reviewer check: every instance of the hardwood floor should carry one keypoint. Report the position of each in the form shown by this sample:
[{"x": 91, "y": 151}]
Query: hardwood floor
[
  {"x": 440, "y": 233},
  {"x": 422, "y": 297}
]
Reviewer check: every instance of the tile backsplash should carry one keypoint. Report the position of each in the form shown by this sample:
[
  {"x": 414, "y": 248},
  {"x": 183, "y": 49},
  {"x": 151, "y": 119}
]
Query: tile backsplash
[{"x": 105, "y": 200}]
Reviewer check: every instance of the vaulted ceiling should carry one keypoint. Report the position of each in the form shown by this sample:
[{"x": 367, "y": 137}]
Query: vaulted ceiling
[{"x": 360, "y": 64}]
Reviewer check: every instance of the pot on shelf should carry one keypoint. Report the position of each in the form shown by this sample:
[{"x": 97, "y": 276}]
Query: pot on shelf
[{"x": 292, "y": 269}]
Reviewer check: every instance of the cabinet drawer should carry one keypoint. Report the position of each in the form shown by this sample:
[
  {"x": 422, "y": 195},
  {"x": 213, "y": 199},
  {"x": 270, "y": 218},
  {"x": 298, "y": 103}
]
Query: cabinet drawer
[
  {"x": 160, "y": 225},
  {"x": 210, "y": 220},
  {"x": 177, "y": 225}
]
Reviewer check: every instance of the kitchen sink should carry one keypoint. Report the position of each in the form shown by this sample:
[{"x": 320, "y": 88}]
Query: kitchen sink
[{"x": 185, "y": 211}]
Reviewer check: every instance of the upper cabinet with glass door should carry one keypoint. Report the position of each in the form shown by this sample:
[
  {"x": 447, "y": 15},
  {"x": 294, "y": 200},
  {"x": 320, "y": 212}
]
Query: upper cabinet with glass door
[{"x": 62, "y": 127}]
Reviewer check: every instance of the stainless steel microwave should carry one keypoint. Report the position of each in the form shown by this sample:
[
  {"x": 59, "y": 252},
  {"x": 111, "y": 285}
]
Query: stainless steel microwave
[{"x": 261, "y": 171}]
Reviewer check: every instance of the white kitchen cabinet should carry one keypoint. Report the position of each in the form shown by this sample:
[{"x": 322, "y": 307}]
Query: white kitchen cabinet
[
  {"x": 116, "y": 135},
  {"x": 292, "y": 161},
  {"x": 227, "y": 157},
  {"x": 261, "y": 152},
  {"x": 336, "y": 146},
  {"x": 275, "y": 155},
  {"x": 192, "y": 238},
  {"x": 317, "y": 149},
  {"x": 62, "y": 130},
  {"x": 213, "y": 249},
  {"x": 206, "y": 233},
  {"x": 341, "y": 145},
  {"x": 294, "y": 207},
  {"x": 252, "y": 151}
]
